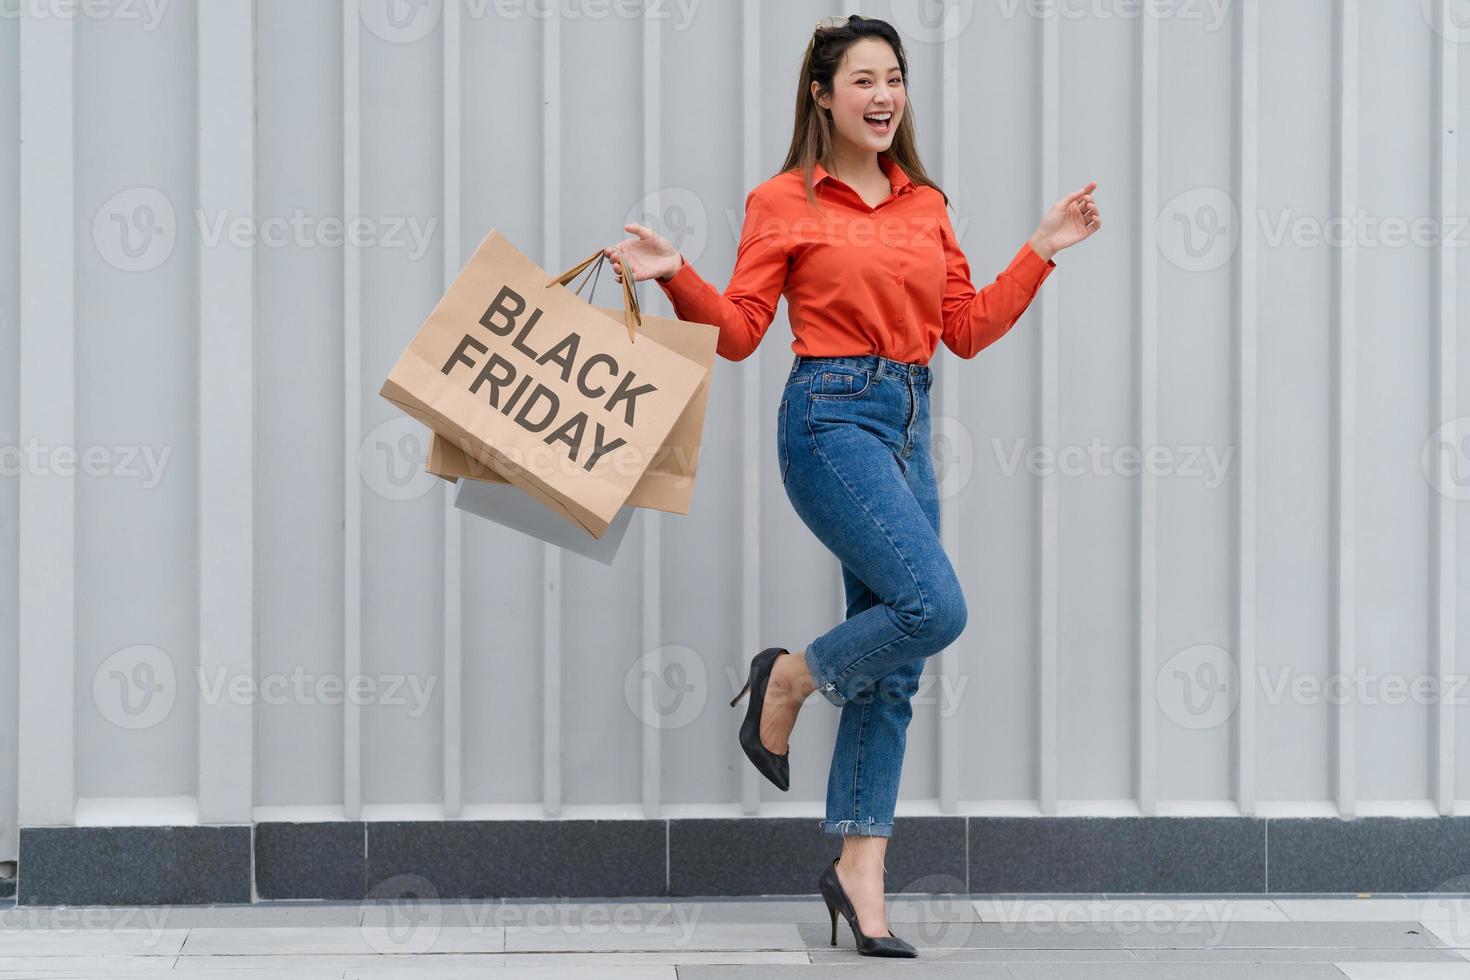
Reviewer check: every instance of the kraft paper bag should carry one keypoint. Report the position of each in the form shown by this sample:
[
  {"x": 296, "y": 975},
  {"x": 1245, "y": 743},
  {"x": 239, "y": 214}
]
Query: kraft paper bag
[
  {"x": 507, "y": 506},
  {"x": 668, "y": 483},
  {"x": 543, "y": 388}
]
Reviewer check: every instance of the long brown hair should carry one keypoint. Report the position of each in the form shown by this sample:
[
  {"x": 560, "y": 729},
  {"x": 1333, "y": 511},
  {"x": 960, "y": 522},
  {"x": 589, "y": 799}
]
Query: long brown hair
[{"x": 813, "y": 135}]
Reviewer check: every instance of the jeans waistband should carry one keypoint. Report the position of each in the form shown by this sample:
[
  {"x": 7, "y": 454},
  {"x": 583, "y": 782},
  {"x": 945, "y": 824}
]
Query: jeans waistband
[{"x": 880, "y": 366}]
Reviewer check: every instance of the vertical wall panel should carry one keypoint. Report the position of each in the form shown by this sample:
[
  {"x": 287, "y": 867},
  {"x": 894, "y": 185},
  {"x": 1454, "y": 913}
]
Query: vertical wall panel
[
  {"x": 46, "y": 568},
  {"x": 9, "y": 432},
  {"x": 503, "y": 187},
  {"x": 1394, "y": 286},
  {"x": 1295, "y": 357},
  {"x": 137, "y": 590},
  {"x": 710, "y": 608},
  {"x": 226, "y": 412},
  {"x": 401, "y": 83},
  {"x": 1191, "y": 421},
  {"x": 299, "y": 349},
  {"x": 1097, "y": 400},
  {"x": 1006, "y": 400}
]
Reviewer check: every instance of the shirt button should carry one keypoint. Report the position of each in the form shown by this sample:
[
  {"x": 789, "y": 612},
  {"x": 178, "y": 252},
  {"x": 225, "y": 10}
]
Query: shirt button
[
  {"x": 899, "y": 280},
  {"x": 899, "y": 318}
]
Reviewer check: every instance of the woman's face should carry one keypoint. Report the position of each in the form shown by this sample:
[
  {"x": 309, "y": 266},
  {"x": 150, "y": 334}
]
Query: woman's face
[{"x": 866, "y": 83}]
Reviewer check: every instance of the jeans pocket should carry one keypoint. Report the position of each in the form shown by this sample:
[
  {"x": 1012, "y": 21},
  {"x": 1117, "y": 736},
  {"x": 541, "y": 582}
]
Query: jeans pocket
[{"x": 841, "y": 382}]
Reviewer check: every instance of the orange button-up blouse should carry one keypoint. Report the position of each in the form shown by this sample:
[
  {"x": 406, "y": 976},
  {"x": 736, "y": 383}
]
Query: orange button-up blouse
[{"x": 888, "y": 280}]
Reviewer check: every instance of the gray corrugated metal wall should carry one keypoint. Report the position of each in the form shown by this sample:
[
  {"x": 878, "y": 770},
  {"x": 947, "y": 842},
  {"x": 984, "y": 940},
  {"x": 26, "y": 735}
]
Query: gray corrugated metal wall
[{"x": 203, "y": 487}]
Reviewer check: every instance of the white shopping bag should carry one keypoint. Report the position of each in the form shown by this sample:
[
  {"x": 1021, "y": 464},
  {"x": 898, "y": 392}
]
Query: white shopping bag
[{"x": 509, "y": 506}]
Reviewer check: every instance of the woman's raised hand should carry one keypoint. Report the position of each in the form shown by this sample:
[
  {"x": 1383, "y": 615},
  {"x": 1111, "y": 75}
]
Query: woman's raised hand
[
  {"x": 648, "y": 254},
  {"x": 1071, "y": 219}
]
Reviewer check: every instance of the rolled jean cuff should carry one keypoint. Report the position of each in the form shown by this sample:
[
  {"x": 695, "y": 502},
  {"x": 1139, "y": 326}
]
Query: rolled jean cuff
[
  {"x": 824, "y": 683},
  {"x": 859, "y": 828}
]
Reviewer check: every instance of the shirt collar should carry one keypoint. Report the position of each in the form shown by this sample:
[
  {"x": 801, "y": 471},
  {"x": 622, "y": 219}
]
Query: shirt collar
[{"x": 897, "y": 179}]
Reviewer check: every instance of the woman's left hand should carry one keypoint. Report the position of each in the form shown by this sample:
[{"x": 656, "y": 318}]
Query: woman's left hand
[{"x": 1070, "y": 220}]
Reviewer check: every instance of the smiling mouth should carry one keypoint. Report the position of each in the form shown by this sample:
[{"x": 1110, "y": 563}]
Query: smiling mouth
[{"x": 879, "y": 122}]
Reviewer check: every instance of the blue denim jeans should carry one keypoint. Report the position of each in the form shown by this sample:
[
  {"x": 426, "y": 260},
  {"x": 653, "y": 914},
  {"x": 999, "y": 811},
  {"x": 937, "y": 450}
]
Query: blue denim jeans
[{"x": 853, "y": 442}]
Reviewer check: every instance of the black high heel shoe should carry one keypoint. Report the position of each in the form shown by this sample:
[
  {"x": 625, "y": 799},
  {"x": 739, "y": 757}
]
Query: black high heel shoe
[
  {"x": 836, "y": 898},
  {"x": 774, "y": 767}
]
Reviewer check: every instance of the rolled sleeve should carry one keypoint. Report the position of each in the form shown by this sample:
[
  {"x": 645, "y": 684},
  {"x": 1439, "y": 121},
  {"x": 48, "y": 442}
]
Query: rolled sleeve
[
  {"x": 745, "y": 310},
  {"x": 974, "y": 319}
]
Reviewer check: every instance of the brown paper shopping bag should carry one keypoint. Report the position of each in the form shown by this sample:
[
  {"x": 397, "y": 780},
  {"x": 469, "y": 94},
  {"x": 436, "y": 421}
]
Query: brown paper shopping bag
[
  {"x": 538, "y": 385},
  {"x": 668, "y": 483}
]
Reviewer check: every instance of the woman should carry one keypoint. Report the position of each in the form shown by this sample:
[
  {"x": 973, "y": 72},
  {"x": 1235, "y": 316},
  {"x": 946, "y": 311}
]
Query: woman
[{"x": 856, "y": 236}]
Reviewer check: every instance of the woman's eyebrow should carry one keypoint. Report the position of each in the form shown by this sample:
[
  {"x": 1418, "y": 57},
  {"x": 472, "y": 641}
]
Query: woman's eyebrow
[{"x": 868, "y": 71}]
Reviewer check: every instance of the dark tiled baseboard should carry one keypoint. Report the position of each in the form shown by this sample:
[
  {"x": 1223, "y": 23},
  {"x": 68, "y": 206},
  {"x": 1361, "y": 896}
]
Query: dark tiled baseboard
[{"x": 550, "y": 859}]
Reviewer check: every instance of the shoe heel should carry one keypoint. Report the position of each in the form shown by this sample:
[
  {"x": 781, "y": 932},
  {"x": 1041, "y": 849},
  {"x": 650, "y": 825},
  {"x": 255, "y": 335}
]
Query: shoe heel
[
  {"x": 833, "y": 910},
  {"x": 741, "y": 694}
]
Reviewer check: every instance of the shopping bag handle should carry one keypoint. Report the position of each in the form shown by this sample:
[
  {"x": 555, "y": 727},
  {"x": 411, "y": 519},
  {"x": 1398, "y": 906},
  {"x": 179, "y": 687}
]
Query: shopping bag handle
[{"x": 631, "y": 314}]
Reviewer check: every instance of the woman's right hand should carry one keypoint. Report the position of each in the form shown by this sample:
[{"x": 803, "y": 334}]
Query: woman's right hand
[{"x": 648, "y": 254}]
